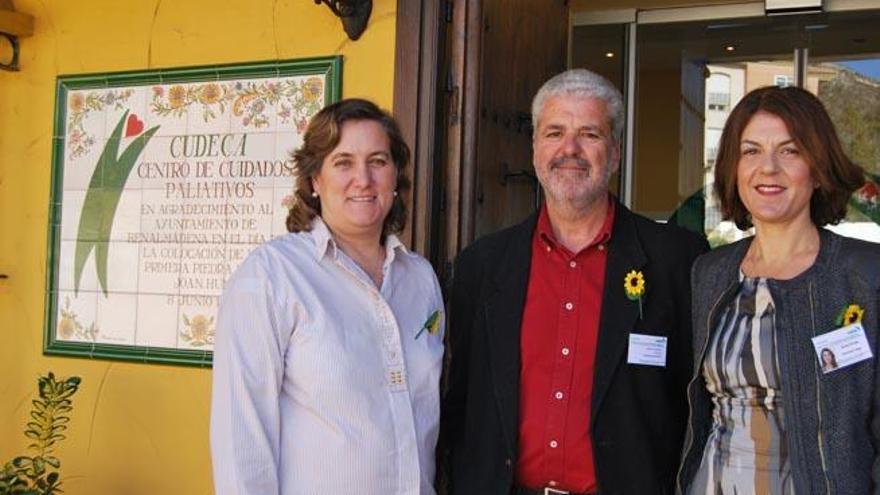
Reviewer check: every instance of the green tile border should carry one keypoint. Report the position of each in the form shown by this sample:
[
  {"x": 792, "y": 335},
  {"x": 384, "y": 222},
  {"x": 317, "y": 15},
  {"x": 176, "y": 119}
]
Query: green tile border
[{"x": 329, "y": 66}]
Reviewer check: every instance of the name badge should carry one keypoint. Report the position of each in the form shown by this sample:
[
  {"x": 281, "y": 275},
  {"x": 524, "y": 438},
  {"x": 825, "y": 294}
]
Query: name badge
[
  {"x": 647, "y": 349},
  {"x": 842, "y": 347}
]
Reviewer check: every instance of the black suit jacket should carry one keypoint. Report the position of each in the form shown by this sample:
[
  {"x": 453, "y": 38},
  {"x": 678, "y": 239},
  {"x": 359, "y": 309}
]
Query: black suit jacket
[{"x": 638, "y": 412}]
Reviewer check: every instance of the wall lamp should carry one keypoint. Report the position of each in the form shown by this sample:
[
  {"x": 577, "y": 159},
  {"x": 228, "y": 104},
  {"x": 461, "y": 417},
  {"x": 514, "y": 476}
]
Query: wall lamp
[
  {"x": 13, "y": 25},
  {"x": 354, "y": 14}
]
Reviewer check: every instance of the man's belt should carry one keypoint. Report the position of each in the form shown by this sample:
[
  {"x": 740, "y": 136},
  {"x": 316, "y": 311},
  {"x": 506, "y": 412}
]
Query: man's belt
[{"x": 519, "y": 490}]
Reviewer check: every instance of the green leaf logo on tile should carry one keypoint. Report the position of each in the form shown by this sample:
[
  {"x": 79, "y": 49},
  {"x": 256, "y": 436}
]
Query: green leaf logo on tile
[{"x": 102, "y": 197}]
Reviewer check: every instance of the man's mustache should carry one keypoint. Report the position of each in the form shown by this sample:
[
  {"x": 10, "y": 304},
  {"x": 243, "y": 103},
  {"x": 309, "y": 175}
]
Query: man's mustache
[{"x": 570, "y": 161}]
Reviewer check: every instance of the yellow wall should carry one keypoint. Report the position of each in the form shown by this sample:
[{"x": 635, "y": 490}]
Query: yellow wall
[{"x": 136, "y": 429}]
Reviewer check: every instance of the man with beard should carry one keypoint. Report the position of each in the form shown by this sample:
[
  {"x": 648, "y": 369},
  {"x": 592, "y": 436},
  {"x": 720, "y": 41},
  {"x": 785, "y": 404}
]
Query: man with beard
[{"x": 570, "y": 333}]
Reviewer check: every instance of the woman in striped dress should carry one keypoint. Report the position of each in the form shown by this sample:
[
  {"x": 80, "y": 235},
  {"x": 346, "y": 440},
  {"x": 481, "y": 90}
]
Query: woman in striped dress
[{"x": 768, "y": 415}]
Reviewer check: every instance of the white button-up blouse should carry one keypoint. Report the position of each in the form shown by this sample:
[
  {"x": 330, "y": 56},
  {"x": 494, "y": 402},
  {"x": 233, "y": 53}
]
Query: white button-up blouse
[{"x": 323, "y": 383}]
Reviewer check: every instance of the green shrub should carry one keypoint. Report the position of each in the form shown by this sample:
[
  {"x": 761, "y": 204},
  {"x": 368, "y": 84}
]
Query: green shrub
[{"x": 38, "y": 475}]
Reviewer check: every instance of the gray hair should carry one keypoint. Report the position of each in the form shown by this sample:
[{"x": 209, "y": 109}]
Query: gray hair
[{"x": 586, "y": 84}]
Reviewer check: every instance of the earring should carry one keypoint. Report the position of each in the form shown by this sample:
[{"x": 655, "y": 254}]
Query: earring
[
  {"x": 395, "y": 194},
  {"x": 314, "y": 194}
]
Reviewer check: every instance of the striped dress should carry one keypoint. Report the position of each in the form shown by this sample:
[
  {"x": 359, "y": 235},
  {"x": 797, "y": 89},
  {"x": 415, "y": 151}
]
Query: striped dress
[{"x": 746, "y": 451}]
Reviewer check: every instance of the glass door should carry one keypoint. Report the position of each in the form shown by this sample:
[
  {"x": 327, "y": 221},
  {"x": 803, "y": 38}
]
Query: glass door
[
  {"x": 691, "y": 75},
  {"x": 843, "y": 69},
  {"x": 688, "y": 76}
]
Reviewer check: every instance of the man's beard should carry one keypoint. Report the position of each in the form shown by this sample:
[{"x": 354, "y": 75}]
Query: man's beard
[{"x": 596, "y": 187}]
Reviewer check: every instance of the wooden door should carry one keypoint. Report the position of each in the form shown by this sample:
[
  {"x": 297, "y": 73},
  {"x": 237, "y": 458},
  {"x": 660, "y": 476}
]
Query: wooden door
[{"x": 498, "y": 53}]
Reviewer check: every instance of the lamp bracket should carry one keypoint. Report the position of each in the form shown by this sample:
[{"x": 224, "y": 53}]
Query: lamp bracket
[
  {"x": 354, "y": 14},
  {"x": 13, "y": 63}
]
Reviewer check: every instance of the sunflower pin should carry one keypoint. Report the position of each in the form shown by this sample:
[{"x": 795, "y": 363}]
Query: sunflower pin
[
  {"x": 634, "y": 285},
  {"x": 432, "y": 324},
  {"x": 850, "y": 314}
]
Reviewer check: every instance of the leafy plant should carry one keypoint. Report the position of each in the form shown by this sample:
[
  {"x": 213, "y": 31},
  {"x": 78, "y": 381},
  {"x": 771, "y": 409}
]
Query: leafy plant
[{"x": 38, "y": 475}]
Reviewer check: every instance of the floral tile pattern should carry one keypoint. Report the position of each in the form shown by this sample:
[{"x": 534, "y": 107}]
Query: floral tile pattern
[
  {"x": 165, "y": 189},
  {"x": 84, "y": 104}
]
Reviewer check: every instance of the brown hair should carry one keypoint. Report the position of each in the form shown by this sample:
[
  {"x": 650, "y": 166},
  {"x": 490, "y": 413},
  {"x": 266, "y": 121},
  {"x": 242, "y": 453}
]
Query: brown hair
[
  {"x": 322, "y": 137},
  {"x": 813, "y": 133}
]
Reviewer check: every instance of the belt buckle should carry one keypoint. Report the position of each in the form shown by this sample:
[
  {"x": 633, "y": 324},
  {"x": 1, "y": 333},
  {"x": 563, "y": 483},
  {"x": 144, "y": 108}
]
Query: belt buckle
[{"x": 553, "y": 491}]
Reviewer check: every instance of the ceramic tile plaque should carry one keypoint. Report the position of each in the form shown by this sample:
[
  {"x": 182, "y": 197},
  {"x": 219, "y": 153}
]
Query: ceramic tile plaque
[{"x": 163, "y": 181}]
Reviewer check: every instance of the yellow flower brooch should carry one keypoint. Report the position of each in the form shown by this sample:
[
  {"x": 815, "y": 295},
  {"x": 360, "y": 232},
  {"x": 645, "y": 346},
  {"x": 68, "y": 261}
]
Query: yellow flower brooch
[
  {"x": 634, "y": 286},
  {"x": 850, "y": 314},
  {"x": 432, "y": 324}
]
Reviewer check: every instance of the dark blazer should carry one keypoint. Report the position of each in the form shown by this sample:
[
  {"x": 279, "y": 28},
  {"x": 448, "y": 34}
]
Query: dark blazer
[
  {"x": 832, "y": 421},
  {"x": 638, "y": 412}
]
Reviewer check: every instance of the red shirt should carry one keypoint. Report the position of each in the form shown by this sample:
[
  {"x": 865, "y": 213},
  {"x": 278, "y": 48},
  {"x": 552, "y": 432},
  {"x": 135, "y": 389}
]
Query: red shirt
[{"x": 558, "y": 346}]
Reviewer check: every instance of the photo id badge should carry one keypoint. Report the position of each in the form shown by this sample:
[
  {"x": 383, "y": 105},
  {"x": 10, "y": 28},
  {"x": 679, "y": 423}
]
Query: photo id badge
[
  {"x": 647, "y": 349},
  {"x": 842, "y": 347}
]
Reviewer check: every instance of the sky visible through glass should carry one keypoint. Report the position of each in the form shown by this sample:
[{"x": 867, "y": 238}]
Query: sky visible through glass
[{"x": 868, "y": 67}]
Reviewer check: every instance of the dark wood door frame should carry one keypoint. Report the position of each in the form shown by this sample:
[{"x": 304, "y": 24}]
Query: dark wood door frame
[
  {"x": 463, "y": 74},
  {"x": 418, "y": 48},
  {"x": 436, "y": 92}
]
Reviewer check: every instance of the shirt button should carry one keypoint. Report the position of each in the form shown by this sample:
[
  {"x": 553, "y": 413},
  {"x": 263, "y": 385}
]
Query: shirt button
[
  {"x": 565, "y": 351},
  {"x": 553, "y": 444},
  {"x": 558, "y": 395},
  {"x": 552, "y": 483},
  {"x": 572, "y": 264},
  {"x": 568, "y": 306}
]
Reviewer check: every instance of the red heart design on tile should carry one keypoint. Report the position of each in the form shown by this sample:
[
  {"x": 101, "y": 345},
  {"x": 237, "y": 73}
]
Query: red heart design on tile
[{"x": 134, "y": 126}]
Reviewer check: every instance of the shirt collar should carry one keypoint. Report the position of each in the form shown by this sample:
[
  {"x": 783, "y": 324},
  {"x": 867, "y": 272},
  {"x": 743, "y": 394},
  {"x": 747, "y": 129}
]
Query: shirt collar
[
  {"x": 392, "y": 244},
  {"x": 544, "y": 228},
  {"x": 324, "y": 242}
]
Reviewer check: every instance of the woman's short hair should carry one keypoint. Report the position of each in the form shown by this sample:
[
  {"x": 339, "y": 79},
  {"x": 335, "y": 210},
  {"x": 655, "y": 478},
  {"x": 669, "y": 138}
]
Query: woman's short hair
[
  {"x": 322, "y": 137},
  {"x": 813, "y": 132}
]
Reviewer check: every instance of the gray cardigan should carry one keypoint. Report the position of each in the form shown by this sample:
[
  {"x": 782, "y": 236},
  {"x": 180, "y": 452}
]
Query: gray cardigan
[{"x": 832, "y": 421}]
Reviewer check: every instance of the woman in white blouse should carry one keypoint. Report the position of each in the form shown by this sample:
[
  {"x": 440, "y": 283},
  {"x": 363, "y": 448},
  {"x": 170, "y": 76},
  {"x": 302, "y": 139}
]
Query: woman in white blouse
[{"x": 329, "y": 340}]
